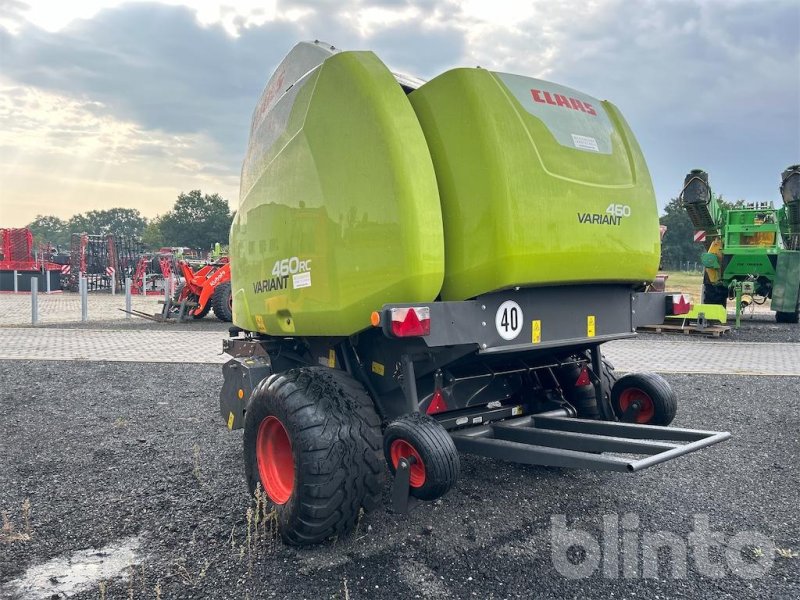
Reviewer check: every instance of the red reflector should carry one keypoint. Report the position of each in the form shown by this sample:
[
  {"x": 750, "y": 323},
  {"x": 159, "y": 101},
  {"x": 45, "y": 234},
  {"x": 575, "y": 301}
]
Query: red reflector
[
  {"x": 583, "y": 378},
  {"x": 437, "y": 403},
  {"x": 411, "y": 322}
]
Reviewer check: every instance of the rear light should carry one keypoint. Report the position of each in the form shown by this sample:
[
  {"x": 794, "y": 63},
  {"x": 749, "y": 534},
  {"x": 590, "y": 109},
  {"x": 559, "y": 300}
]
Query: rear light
[{"x": 411, "y": 322}]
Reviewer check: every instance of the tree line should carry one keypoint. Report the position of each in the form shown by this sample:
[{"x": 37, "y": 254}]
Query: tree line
[{"x": 196, "y": 220}]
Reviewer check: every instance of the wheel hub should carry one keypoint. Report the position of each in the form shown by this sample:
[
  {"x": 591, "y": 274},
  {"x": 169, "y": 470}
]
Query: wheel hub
[
  {"x": 275, "y": 460},
  {"x": 403, "y": 449},
  {"x": 636, "y": 406}
]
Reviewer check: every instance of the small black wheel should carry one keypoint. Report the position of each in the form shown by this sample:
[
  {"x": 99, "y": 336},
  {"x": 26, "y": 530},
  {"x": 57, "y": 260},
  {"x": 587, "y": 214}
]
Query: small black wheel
[
  {"x": 222, "y": 302},
  {"x": 644, "y": 398},
  {"x": 435, "y": 466},
  {"x": 312, "y": 440}
]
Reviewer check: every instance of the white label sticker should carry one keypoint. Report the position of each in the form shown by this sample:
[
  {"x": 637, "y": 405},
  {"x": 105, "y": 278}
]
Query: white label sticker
[
  {"x": 301, "y": 280},
  {"x": 508, "y": 320},
  {"x": 584, "y": 142}
]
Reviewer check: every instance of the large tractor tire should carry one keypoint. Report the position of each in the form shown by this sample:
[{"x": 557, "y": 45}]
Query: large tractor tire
[
  {"x": 312, "y": 441},
  {"x": 644, "y": 398},
  {"x": 222, "y": 302},
  {"x": 195, "y": 299},
  {"x": 203, "y": 312},
  {"x": 714, "y": 294},
  {"x": 435, "y": 466},
  {"x": 789, "y": 317}
]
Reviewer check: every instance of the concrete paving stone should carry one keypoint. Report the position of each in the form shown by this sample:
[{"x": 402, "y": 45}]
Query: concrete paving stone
[
  {"x": 65, "y": 307},
  {"x": 702, "y": 356},
  {"x": 664, "y": 356}
]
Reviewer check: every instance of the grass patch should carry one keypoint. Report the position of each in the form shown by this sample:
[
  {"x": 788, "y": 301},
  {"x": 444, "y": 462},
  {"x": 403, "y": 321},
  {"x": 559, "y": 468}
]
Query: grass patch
[
  {"x": 9, "y": 533},
  {"x": 684, "y": 282}
]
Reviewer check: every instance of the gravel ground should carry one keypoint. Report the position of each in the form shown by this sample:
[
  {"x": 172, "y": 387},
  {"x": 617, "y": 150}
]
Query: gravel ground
[
  {"x": 756, "y": 327},
  {"x": 106, "y": 451}
]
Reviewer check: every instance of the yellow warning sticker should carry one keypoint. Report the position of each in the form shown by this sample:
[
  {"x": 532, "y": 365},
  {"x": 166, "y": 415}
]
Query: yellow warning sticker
[
  {"x": 377, "y": 368},
  {"x": 517, "y": 410},
  {"x": 331, "y": 358},
  {"x": 260, "y": 325},
  {"x": 536, "y": 332},
  {"x": 230, "y": 420},
  {"x": 590, "y": 326}
]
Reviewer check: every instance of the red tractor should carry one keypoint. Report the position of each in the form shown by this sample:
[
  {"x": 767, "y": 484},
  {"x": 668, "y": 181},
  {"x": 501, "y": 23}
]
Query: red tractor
[{"x": 206, "y": 289}]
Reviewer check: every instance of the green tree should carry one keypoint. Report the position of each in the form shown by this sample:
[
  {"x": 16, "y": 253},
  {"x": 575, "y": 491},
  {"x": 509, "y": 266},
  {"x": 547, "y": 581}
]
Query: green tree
[
  {"x": 678, "y": 244},
  {"x": 123, "y": 222},
  {"x": 152, "y": 237},
  {"x": 79, "y": 224},
  {"x": 197, "y": 220},
  {"x": 47, "y": 228}
]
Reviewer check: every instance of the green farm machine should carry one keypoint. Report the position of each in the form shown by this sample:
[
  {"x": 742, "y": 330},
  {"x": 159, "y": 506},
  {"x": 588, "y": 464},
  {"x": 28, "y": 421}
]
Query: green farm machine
[
  {"x": 753, "y": 251},
  {"x": 422, "y": 269}
]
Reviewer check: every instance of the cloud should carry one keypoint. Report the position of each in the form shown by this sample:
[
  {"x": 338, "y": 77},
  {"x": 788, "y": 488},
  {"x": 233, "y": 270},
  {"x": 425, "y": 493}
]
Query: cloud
[{"x": 712, "y": 84}]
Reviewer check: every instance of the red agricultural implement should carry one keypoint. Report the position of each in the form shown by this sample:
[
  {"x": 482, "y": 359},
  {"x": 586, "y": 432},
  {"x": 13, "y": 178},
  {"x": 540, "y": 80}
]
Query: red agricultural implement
[
  {"x": 207, "y": 289},
  {"x": 19, "y": 263}
]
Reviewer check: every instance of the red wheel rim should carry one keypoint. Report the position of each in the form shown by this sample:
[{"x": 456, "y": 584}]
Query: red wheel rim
[
  {"x": 275, "y": 460},
  {"x": 646, "y": 409},
  {"x": 402, "y": 449}
]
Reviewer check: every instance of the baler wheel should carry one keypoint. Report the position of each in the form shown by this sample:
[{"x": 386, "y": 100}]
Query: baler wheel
[
  {"x": 312, "y": 441},
  {"x": 644, "y": 398},
  {"x": 222, "y": 302},
  {"x": 435, "y": 466}
]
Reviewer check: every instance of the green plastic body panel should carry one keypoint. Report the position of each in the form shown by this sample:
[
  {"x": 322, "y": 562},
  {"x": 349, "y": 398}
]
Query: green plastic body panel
[
  {"x": 712, "y": 312},
  {"x": 786, "y": 288},
  {"x": 339, "y": 211},
  {"x": 749, "y": 238},
  {"x": 539, "y": 184}
]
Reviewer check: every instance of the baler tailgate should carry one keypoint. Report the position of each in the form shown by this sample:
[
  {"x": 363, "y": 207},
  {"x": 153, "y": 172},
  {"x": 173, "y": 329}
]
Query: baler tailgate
[{"x": 558, "y": 441}]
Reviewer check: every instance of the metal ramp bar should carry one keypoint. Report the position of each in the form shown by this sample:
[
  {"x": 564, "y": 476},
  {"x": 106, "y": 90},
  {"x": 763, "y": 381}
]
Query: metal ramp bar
[{"x": 559, "y": 441}]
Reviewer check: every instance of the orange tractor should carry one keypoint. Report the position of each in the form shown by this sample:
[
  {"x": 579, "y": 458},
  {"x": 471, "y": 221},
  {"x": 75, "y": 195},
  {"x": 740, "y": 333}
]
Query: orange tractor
[{"x": 203, "y": 290}]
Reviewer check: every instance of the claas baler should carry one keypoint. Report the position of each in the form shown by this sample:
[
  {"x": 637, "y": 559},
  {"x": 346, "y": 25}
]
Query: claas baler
[{"x": 420, "y": 269}]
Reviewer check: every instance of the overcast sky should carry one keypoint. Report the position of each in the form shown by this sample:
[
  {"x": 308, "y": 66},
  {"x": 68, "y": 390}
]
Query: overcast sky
[{"x": 106, "y": 103}]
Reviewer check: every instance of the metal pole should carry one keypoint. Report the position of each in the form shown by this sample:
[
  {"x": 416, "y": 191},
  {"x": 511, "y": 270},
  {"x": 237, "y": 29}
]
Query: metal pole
[
  {"x": 128, "y": 284},
  {"x": 16, "y": 288},
  {"x": 84, "y": 299},
  {"x": 144, "y": 284},
  {"x": 113, "y": 284},
  {"x": 47, "y": 280},
  {"x": 34, "y": 300}
]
